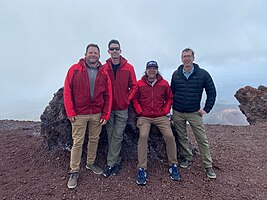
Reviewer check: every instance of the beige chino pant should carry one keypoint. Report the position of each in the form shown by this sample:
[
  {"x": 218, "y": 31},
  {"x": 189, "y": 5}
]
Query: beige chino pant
[
  {"x": 196, "y": 122},
  {"x": 163, "y": 123},
  {"x": 78, "y": 133}
]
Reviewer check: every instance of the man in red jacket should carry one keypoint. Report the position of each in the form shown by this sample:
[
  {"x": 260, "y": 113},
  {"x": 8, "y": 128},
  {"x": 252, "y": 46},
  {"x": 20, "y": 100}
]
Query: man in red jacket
[
  {"x": 123, "y": 79},
  {"x": 87, "y": 100},
  {"x": 152, "y": 102}
]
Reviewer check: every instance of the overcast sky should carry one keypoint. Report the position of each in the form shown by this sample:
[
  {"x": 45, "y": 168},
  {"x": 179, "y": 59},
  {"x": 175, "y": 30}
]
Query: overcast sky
[{"x": 40, "y": 40}]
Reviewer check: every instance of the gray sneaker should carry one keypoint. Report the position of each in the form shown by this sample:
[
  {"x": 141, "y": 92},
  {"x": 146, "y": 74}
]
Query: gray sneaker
[
  {"x": 185, "y": 163},
  {"x": 72, "y": 183},
  {"x": 95, "y": 168},
  {"x": 210, "y": 172}
]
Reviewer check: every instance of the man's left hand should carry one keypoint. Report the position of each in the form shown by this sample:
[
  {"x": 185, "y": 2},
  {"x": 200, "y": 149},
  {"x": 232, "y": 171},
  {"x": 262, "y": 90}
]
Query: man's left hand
[
  {"x": 202, "y": 112},
  {"x": 103, "y": 122}
]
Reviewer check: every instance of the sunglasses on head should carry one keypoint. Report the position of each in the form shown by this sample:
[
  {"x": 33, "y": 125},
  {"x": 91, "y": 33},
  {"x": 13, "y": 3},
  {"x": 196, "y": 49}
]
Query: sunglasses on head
[{"x": 114, "y": 48}]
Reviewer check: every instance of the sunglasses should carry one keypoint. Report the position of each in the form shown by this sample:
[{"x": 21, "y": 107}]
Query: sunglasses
[{"x": 115, "y": 48}]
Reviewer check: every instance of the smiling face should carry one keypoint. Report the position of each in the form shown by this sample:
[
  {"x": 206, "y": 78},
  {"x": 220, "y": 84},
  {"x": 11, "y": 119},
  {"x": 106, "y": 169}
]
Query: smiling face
[
  {"x": 92, "y": 56},
  {"x": 114, "y": 52},
  {"x": 188, "y": 59},
  {"x": 151, "y": 73}
]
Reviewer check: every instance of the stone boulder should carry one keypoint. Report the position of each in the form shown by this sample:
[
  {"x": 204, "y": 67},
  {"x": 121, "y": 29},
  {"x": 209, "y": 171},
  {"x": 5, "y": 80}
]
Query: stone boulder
[
  {"x": 56, "y": 131},
  {"x": 253, "y": 103}
]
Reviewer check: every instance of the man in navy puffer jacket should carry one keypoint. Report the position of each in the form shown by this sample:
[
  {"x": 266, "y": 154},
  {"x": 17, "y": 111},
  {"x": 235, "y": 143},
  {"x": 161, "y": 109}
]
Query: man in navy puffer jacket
[{"x": 187, "y": 84}]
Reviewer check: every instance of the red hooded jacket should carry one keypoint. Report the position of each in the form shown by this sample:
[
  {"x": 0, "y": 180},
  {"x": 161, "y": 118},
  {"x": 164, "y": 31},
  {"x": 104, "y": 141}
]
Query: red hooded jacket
[
  {"x": 77, "y": 98},
  {"x": 153, "y": 101},
  {"x": 124, "y": 85}
]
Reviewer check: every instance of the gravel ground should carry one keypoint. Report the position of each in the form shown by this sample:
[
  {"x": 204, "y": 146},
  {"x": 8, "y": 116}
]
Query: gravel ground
[{"x": 28, "y": 171}]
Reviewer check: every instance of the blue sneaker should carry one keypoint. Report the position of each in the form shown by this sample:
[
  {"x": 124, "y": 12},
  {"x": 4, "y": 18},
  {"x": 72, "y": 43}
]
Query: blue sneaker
[
  {"x": 142, "y": 175},
  {"x": 174, "y": 173}
]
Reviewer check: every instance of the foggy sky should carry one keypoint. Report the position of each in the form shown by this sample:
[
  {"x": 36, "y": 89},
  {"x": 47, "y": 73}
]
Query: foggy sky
[{"x": 40, "y": 40}]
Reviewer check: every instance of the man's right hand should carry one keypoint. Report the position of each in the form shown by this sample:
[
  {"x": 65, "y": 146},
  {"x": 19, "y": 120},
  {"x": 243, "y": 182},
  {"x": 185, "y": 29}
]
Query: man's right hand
[{"x": 72, "y": 119}]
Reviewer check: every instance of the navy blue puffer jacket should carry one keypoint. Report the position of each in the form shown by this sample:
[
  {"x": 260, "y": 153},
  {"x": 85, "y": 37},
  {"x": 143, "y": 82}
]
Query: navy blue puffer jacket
[{"x": 188, "y": 92}]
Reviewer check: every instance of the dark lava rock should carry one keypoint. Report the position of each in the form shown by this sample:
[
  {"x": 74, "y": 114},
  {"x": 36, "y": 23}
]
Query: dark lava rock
[
  {"x": 253, "y": 103},
  {"x": 56, "y": 131}
]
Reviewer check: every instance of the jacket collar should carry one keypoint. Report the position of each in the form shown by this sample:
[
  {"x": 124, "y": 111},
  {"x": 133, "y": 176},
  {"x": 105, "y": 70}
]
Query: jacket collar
[
  {"x": 196, "y": 68},
  {"x": 159, "y": 78},
  {"x": 82, "y": 62},
  {"x": 123, "y": 61}
]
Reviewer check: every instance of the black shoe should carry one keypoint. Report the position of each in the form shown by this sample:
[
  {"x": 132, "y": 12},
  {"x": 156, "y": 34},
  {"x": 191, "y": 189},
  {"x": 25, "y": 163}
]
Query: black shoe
[
  {"x": 174, "y": 173},
  {"x": 107, "y": 171},
  {"x": 142, "y": 175},
  {"x": 185, "y": 163},
  {"x": 116, "y": 169},
  {"x": 210, "y": 173}
]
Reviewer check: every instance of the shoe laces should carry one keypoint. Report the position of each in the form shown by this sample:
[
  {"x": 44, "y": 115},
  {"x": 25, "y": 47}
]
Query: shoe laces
[
  {"x": 108, "y": 167},
  {"x": 141, "y": 173},
  {"x": 74, "y": 175},
  {"x": 210, "y": 170},
  {"x": 174, "y": 169}
]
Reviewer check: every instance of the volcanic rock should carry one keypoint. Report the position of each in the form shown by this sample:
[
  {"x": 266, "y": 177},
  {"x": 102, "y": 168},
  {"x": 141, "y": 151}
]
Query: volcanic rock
[
  {"x": 253, "y": 103},
  {"x": 56, "y": 131}
]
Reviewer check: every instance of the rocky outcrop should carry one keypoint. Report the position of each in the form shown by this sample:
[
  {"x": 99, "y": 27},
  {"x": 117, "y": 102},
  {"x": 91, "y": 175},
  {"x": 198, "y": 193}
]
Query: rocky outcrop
[
  {"x": 55, "y": 126},
  {"x": 56, "y": 131},
  {"x": 253, "y": 103}
]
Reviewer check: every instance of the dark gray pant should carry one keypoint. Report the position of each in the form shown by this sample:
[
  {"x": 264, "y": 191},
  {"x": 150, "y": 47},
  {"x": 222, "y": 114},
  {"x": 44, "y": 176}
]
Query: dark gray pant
[{"x": 115, "y": 128}]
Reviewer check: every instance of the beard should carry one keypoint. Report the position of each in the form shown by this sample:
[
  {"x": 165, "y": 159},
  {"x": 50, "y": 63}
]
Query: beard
[{"x": 92, "y": 61}]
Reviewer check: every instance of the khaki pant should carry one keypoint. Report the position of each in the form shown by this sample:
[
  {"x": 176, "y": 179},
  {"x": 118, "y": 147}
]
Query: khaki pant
[
  {"x": 115, "y": 128},
  {"x": 78, "y": 133},
  {"x": 163, "y": 123},
  {"x": 196, "y": 122}
]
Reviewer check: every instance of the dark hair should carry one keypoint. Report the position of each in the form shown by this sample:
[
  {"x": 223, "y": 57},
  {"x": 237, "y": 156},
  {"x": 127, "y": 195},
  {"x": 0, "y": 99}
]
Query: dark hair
[
  {"x": 157, "y": 73},
  {"x": 92, "y": 45},
  {"x": 188, "y": 49},
  {"x": 114, "y": 42}
]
